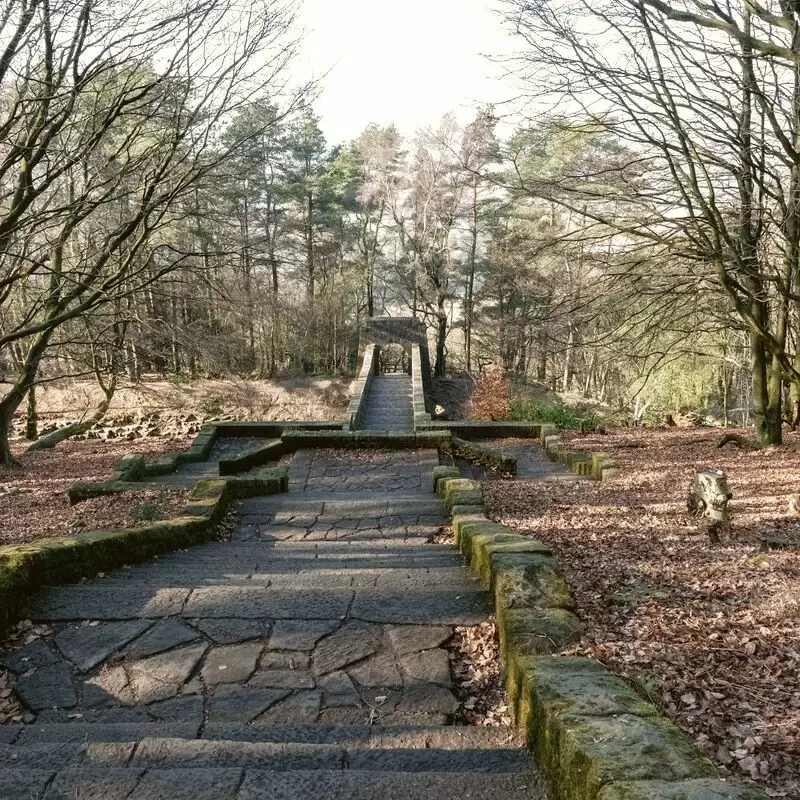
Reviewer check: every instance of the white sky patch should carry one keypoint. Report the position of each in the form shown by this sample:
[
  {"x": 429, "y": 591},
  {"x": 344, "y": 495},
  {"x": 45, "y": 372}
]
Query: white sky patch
[{"x": 402, "y": 61}]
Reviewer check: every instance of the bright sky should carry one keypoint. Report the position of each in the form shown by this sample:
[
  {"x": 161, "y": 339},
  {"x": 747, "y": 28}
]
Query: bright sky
[{"x": 402, "y": 61}]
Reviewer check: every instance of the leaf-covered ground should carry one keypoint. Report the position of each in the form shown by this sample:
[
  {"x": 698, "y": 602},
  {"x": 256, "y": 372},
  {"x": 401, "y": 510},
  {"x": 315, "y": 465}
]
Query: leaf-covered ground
[
  {"x": 33, "y": 496},
  {"x": 710, "y": 633}
]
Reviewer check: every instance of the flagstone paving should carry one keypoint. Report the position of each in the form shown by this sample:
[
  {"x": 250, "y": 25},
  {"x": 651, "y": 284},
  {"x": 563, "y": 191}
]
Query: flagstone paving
[{"x": 304, "y": 658}]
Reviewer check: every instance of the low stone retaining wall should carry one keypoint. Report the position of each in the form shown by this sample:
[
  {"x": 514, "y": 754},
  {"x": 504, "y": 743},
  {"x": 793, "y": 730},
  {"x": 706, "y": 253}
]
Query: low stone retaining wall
[
  {"x": 600, "y": 466},
  {"x": 593, "y": 737},
  {"x": 481, "y": 429},
  {"x": 48, "y": 562},
  {"x": 359, "y": 390},
  {"x": 474, "y": 453}
]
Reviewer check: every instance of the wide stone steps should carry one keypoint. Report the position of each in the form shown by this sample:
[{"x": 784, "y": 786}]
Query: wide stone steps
[
  {"x": 389, "y": 405},
  {"x": 168, "y": 753},
  {"x": 443, "y": 737},
  {"x": 159, "y": 761},
  {"x": 232, "y": 783}
]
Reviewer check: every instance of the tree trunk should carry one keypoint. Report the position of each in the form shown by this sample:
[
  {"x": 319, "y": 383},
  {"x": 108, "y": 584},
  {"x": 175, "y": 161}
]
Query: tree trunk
[
  {"x": 32, "y": 418},
  {"x": 441, "y": 336},
  {"x": 56, "y": 437},
  {"x": 470, "y": 289}
]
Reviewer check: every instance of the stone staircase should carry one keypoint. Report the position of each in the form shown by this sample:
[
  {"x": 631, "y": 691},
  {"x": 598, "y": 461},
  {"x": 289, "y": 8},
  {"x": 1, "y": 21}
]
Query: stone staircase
[
  {"x": 279, "y": 761},
  {"x": 303, "y": 659},
  {"x": 389, "y": 404}
]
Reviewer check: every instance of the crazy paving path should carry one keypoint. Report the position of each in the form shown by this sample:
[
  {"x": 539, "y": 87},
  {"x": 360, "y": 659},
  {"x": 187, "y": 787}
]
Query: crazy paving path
[{"x": 302, "y": 660}]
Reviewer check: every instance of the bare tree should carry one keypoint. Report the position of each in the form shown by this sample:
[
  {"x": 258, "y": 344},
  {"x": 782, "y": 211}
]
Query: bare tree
[
  {"x": 110, "y": 116},
  {"x": 706, "y": 99}
]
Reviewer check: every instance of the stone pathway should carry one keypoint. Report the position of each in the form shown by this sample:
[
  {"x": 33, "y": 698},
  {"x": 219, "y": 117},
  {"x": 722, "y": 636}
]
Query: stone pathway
[
  {"x": 389, "y": 404},
  {"x": 303, "y": 659}
]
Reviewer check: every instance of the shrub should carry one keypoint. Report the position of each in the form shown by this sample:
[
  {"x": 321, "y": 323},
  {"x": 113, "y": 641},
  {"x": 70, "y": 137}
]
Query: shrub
[
  {"x": 490, "y": 400},
  {"x": 530, "y": 410}
]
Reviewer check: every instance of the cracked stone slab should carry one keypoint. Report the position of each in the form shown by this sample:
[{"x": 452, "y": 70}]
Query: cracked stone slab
[
  {"x": 164, "y": 635},
  {"x": 378, "y": 670},
  {"x": 298, "y": 707},
  {"x": 259, "y": 602},
  {"x": 429, "y": 666},
  {"x": 161, "y": 676},
  {"x": 87, "y": 646},
  {"x": 415, "y": 638},
  {"x": 283, "y": 679},
  {"x": 425, "y": 698},
  {"x": 352, "y": 642},
  {"x": 338, "y": 690},
  {"x": 229, "y": 631},
  {"x": 32, "y": 656},
  {"x": 272, "y": 659},
  {"x": 47, "y": 687},
  {"x": 232, "y": 703},
  {"x": 233, "y": 663},
  {"x": 109, "y": 684}
]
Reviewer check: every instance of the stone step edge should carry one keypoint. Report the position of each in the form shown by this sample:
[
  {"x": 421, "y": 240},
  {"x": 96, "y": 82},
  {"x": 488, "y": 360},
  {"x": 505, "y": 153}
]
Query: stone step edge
[
  {"x": 50, "y": 562},
  {"x": 592, "y": 736},
  {"x": 173, "y": 752},
  {"x": 380, "y": 736},
  {"x": 248, "y": 783}
]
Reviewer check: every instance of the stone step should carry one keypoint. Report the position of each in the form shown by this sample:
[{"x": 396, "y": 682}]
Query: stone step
[
  {"x": 442, "y": 737},
  {"x": 311, "y": 575},
  {"x": 166, "y": 753},
  {"x": 256, "y": 784}
]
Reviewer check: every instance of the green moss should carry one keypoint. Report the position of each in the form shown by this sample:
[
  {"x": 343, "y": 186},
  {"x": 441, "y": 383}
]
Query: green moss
[
  {"x": 453, "y": 485},
  {"x": 466, "y": 497},
  {"x": 535, "y": 631},
  {"x": 442, "y": 473},
  {"x": 700, "y": 789},
  {"x": 525, "y": 580},
  {"x": 467, "y": 529},
  {"x": 484, "y": 546},
  {"x": 585, "y": 753}
]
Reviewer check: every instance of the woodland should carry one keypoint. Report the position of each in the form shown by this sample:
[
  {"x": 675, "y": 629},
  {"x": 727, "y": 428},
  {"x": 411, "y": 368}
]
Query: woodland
[
  {"x": 170, "y": 206},
  {"x": 624, "y": 249}
]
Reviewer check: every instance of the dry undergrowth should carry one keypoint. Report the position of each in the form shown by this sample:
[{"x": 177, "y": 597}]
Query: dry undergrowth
[
  {"x": 33, "y": 496},
  {"x": 710, "y": 633}
]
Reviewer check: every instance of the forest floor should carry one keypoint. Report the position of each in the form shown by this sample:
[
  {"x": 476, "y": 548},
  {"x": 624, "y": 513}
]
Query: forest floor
[
  {"x": 157, "y": 417},
  {"x": 709, "y": 633},
  {"x": 156, "y": 406}
]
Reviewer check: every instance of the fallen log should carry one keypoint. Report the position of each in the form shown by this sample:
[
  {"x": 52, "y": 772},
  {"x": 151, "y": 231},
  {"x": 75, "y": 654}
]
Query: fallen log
[{"x": 740, "y": 441}]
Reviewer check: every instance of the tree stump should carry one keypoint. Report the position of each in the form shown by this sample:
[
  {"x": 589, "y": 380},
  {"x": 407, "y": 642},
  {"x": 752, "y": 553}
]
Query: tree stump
[{"x": 708, "y": 500}]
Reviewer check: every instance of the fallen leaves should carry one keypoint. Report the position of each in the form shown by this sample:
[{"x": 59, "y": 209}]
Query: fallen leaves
[
  {"x": 33, "y": 496},
  {"x": 479, "y": 680},
  {"x": 708, "y": 633}
]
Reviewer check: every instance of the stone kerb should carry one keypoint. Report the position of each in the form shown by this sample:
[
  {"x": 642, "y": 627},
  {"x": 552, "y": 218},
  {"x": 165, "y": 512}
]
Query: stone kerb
[
  {"x": 593, "y": 737},
  {"x": 599, "y": 466},
  {"x": 360, "y": 388}
]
